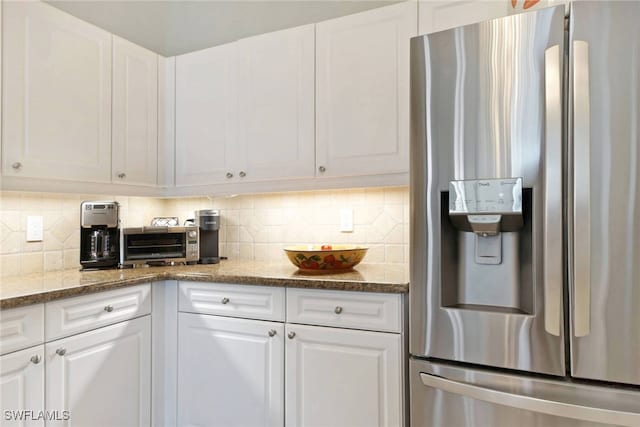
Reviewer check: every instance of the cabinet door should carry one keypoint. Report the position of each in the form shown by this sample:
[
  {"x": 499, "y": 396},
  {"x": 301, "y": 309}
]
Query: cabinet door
[
  {"x": 362, "y": 97},
  {"x": 230, "y": 371},
  {"x": 135, "y": 114},
  {"x": 57, "y": 95},
  {"x": 276, "y": 104},
  {"x": 206, "y": 116},
  {"x": 103, "y": 377},
  {"x": 341, "y": 377},
  {"x": 22, "y": 386}
]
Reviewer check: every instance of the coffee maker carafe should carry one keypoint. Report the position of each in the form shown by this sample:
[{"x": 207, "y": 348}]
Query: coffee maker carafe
[
  {"x": 208, "y": 220},
  {"x": 99, "y": 235}
]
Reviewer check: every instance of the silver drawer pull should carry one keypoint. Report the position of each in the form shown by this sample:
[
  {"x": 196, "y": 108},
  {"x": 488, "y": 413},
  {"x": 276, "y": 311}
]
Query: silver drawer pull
[
  {"x": 272, "y": 333},
  {"x": 225, "y": 300},
  {"x": 108, "y": 308},
  {"x": 61, "y": 351},
  {"x": 291, "y": 335},
  {"x": 338, "y": 310},
  {"x": 35, "y": 359},
  {"x": 16, "y": 165}
]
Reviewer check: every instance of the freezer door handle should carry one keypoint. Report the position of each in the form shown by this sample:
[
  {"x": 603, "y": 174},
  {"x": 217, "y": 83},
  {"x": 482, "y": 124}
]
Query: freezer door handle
[
  {"x": 552, "y": 232},
  {"x": 531, "y": 403},
  {"x": 581, "y": 191}
]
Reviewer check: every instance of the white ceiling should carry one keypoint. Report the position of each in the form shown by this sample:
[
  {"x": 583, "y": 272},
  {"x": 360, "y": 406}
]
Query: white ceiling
[{"x": 179, "y": 26}]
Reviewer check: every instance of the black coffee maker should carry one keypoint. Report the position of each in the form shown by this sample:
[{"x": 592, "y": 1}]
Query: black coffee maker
[
  {"x": 208, "y": 220},
  {"x": 99, "y": 235}
]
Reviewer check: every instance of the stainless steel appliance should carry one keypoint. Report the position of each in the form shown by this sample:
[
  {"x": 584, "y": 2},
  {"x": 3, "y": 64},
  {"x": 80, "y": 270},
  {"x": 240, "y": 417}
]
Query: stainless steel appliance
[
  {"x": 159, "y": 245},
  {"x": 208, "y": 221},
  {"x": 525, "y": 244},
  {"x": 99, "y": 235}
]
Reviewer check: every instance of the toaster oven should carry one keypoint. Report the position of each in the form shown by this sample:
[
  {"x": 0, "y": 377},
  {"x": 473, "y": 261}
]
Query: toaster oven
[{"x": 159, "y": 245}]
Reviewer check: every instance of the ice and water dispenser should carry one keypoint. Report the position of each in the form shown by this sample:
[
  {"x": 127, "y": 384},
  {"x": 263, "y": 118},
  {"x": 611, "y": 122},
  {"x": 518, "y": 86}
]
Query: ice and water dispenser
[{"x": 487, "y": 246}]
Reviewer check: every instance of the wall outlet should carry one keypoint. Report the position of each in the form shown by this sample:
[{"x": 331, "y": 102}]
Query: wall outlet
[
  {"x": 34, "y": 228},
  {"x": 346, "y": 220}
]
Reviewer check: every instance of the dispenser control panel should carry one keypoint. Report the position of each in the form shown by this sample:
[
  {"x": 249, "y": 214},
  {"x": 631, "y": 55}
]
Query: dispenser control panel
[{"x": 485, "y": 196}]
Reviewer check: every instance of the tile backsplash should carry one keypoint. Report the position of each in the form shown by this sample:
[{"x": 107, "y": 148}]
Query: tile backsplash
[{"x": 253, "y": 227}]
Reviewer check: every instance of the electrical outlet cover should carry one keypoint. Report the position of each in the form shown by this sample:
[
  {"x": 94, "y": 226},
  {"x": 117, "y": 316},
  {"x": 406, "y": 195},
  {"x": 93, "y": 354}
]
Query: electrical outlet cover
[{"x": 35, "y": 228}]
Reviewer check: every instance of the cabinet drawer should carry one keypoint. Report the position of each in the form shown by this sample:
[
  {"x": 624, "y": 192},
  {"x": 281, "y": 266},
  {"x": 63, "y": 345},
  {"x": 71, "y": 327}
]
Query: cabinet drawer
[
  {"x": 21, "y": 327},
  {"x": 356, "y": 310},
  {"x": 253, "y": 302},
  {"x": 73, "y": 315}
]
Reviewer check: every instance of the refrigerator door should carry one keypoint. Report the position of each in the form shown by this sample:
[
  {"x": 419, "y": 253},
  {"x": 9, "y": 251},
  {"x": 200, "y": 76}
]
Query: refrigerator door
[
  {"x": 487, "y": 112},
  {"x": 450, "y": 396},
  {"x": 605, "y": 146}
]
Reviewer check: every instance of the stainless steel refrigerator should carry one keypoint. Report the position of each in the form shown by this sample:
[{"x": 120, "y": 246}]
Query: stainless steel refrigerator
[{"x": 525, "y": 216}]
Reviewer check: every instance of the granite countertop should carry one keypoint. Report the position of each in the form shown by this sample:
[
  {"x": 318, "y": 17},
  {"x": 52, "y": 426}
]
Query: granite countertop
[{"x": 34, "y": 288}]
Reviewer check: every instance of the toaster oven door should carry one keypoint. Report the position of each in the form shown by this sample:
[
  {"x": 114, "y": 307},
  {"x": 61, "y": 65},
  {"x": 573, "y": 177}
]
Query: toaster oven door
[{"x": 142, "y": 247}]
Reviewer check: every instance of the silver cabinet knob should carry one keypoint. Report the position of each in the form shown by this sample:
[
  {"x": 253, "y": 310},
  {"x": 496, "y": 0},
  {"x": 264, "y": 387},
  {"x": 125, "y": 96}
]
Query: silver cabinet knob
[
  {"x": 35, "y": 359},
  {"x": 272, "y": 333},
  {"x": 225, "y": 300},
  {"x": 291, "y": 335},
  {"x": 242, "y": 174},
  {"x": 108, "y": 308},
  {"x": 16, "y": 165},
  {"x": 122, "y": 175},
  {"x": 338, "y": 310},
  {"x": 229, "y": 175},
  {"x": 322, "y": 169},
  {"x": 61, "y": 351}
]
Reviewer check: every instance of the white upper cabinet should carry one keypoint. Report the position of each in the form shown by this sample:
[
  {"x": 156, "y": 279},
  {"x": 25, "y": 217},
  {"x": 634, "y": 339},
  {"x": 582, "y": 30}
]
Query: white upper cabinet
[
  {"x": 362, "y": 92},
  {"x": 206, "y": 116},
  {"x": 57, "y": 95},
  {"x": 276, "y": 104},
  {"x": 135, "y": 114}
]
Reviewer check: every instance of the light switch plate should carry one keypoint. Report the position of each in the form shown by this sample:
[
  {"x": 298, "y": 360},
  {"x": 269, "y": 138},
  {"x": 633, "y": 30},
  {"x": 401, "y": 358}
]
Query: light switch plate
[
  {"x": 346, "y": 220},
  {"x": 34, "y": 228}
]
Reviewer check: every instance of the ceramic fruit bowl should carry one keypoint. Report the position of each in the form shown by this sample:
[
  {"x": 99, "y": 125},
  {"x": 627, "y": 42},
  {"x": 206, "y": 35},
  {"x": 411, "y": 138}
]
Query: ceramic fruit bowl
[{"x": 325, "y": 259}]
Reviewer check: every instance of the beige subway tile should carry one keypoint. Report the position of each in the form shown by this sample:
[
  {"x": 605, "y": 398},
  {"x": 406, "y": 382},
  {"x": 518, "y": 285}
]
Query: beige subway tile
[
  {"x": 32, "y": 263},
  {"x": 12, "y": 243},
  {"x": 11, "y": 219},
  {"x": 10, "y": 265},
  {"x": 394, "y": 254},
  {"x": 394, "y": 195},
  {"x": 396, "y": 235},
  {"x": 53, "y": 261},
  {"x": 245, "y": 251},
  {"x": 374, "y": 196},
  {"x": 374, "y": 254},
  {"x": 73, "y": 241},
  {"x": 233, "y": 234},
  {"x": 244, "y": 235},
  {"x": 10, "y": 201},
  {"x": 31, "y": 202},
  {"x": 30, "y": 247},
  {"x": 51, "y": 242},
  {"x": 71, "y": 258}
]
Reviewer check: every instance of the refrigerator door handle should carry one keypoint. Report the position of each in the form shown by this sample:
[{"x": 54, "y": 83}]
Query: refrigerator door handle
[
  {"x": 531, "y": 403},
  {"x": 581, "y": 190},
  {"x": 552, "y": 234}
]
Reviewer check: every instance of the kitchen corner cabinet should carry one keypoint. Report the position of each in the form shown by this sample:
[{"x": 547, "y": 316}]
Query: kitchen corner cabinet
[
  {"x": 342, "y": 377},
  {"x": 56, "y": 81},
  {"x": 22, "y": 385},
  {"x": 206, "y": 116},
  {"x": 362, "y": 92},
  {"x": 103, "y": 376},
  {"x": 135, "y": 114},
  {"x": 230, "y": 371}
]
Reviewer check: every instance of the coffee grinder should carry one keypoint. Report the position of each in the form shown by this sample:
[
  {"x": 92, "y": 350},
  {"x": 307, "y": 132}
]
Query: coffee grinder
[
  {"x": 99, "y": 235},
  {"x": 208, "y": 220}
]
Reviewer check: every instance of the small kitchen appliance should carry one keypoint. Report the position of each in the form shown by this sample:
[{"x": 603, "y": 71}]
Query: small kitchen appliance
[
  {"x": 99, "y": 235},
  {"x": 208, "y": 221},
  {"x": 142, "y": 246}
]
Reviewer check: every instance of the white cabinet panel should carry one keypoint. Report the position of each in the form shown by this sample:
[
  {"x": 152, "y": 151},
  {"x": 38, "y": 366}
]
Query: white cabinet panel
[
  {"x": 357, "y": 310},
  {"x": 276, "y": 104},
  {"x": 254, "y": 302},
  {"x": 57, "y": 95},
  {"x": 206, "y": 116},
  {"x": 21, "y": 327},
  {"x": 230, "y": 372},
  {"x": 135, "y": 114},
  {"x": 103, "y": 377},
  {"x": 22, "y": 386},
  {"x": 73, "y": 315},
  {"x": 339, "y": 377},
  {"x": 362, "y": 96}
]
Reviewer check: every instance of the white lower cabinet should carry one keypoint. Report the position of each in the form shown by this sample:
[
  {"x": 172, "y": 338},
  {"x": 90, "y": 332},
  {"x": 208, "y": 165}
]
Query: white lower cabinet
[
  {"x": 22, "y": 387},
  {"x": 102, "y": 377},
  {"x": 230, "y": 371},
  {"x": 342, "y": 377}
]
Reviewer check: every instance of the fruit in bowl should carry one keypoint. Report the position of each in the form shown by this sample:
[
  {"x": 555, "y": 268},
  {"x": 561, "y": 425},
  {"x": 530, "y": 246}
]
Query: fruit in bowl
[{"x": 318, "y": 259}]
